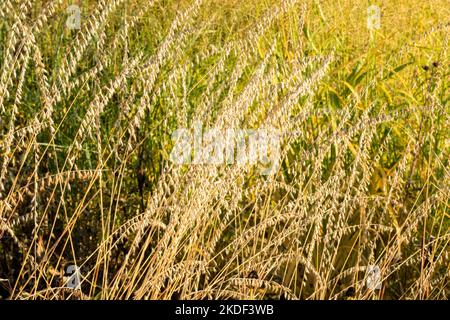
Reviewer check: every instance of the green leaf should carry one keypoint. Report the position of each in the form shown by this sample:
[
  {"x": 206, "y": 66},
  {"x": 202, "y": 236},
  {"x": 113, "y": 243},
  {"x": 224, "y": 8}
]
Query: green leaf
[{"x": 397, "y": 70}]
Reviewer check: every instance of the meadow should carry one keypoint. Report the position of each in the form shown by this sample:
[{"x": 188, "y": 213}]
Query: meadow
[{"x": 94, "y": 94}]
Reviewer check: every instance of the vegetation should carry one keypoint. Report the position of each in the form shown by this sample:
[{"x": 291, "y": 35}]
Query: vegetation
[{"x": 87, "y": 117}]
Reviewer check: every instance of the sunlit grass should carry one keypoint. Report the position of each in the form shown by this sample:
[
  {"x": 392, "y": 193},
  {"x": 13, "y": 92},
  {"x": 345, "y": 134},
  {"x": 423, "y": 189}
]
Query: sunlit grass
[{"x": 86, "y": 122}]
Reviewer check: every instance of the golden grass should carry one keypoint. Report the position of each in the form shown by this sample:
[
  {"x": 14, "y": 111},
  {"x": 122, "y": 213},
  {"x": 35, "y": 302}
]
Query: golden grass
[{"x": 86, "y": 123}]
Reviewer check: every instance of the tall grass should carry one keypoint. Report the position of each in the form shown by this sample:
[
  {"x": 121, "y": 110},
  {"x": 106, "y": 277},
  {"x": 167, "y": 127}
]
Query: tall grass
[{"x": 86, "y": 122}]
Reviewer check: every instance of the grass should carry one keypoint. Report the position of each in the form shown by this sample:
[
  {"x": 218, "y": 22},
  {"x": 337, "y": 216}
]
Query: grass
[{"x": 87, "y": 117}]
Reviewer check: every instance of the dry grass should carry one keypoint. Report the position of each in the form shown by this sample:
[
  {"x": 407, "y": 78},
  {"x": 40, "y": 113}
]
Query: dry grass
[{"x": 86, "y": 123}]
